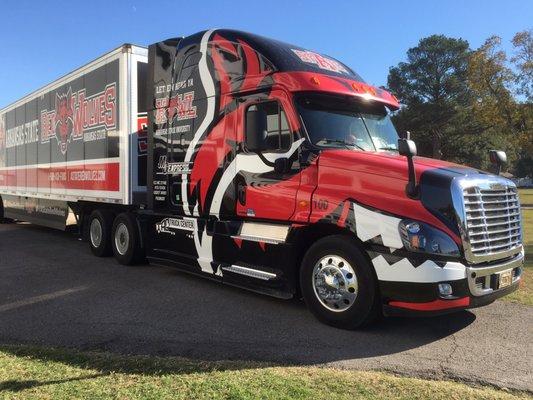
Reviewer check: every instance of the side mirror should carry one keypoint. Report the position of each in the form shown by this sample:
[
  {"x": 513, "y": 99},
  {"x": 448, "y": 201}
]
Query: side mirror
[
  {"x": 407, "y": 148},
  {"x": 256, "y": 130},
  {"x": 497, "y": 158},
  {"x": 281, "y": 165}
]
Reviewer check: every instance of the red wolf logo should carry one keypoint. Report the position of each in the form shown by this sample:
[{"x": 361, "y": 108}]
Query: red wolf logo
[{"x": 64, "y": 119}]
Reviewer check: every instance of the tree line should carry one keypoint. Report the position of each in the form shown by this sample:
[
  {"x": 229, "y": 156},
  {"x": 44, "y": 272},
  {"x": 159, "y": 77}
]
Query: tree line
[{"x": 459, "y": 102}]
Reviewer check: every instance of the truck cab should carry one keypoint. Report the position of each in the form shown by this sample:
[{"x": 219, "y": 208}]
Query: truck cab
[{"x": 277, "y": 169}]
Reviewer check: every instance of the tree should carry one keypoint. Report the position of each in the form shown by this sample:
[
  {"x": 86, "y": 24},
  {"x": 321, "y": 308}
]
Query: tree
[
  {"x": 523, "y": 60},
  {"x": 493, "y": 109},
  {"x": 489, "y": 80},
  {"x": 432, "y": 88}
]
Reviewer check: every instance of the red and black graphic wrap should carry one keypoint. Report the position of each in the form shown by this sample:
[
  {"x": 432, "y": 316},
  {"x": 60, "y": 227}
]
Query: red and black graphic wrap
[{"x": 203, "y": 168}]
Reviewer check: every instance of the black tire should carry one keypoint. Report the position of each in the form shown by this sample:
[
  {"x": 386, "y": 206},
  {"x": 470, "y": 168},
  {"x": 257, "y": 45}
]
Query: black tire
[
  {"x": 366, "y": 306},
  {"x": 3, "y": 220},
  {"x": 100, "y": 247},
  {"x": 126, "y": 240}
]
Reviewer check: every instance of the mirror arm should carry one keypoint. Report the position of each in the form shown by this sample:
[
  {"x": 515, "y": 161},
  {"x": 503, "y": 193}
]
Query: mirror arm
[
  {"x": 407, "y": 147},
  {"x": 412, "y": 189}
]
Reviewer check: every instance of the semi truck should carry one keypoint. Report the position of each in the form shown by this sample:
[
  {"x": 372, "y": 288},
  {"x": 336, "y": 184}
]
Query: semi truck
[{"x": 262, "y": 165}]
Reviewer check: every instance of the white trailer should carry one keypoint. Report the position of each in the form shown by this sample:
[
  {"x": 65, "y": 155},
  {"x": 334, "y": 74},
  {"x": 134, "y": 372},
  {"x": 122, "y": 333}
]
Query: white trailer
[{"x": 82, "y": 138}]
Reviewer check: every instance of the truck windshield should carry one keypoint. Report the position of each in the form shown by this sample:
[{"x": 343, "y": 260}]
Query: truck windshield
[{"x": 335, "y": 121}]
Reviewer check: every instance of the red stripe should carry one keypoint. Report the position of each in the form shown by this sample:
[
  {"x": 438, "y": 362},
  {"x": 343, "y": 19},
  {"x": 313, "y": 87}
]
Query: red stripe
[
  {"x": 434, "y": 305},
  {"x": 104, "y": 177},
  {"x": 344, "y": 214}
]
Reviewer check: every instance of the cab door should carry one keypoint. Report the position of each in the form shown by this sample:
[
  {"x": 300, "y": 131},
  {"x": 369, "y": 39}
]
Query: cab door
[{"x": 267, "y": 162}]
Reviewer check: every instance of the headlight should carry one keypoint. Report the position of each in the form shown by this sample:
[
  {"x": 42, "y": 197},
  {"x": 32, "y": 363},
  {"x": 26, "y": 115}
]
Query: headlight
[{"x": 420, "y": 237}]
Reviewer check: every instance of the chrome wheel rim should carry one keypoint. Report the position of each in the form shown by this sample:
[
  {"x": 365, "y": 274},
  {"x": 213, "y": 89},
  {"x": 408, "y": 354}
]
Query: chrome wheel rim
[
  {"x": 122, "y": 238},
  {"x": 335, "y": 283},
  {"x": 96, "y": 232}
]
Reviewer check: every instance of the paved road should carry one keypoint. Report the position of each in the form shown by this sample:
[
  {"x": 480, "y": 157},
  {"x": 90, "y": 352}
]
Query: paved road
[{"x": 54, "y": 292}]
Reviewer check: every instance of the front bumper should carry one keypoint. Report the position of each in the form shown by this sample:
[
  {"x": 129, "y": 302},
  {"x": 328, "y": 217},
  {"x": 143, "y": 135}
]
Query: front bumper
[
  {"x": 485, "y": 280},
  {"x": 480, "y": 286}
]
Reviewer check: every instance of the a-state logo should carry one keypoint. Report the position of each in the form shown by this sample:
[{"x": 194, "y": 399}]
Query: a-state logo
[
  {"x": 75, "y": 114},
  {"x": 179, "y": 107}
]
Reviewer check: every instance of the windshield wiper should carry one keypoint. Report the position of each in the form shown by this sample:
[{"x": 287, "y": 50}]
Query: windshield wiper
[
  {"x": 345, "y": 144},
  {"x": 388, "y": 148}
]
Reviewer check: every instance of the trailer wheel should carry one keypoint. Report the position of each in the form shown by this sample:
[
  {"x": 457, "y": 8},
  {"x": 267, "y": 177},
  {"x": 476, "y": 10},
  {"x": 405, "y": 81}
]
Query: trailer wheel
[
  {"x": 338, "y": 285},
  {"x": 3, "y": 220},
  {"x": 126, "y": 241},
  {"x": 99, "y": 226}
]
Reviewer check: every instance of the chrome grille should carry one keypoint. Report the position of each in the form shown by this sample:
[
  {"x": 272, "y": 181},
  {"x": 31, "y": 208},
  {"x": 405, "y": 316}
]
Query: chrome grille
[{"x": 492, "y": 221}]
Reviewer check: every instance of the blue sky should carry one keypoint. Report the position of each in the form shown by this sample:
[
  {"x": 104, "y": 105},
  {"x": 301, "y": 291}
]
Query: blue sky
[{"x": 42, "y": 40}]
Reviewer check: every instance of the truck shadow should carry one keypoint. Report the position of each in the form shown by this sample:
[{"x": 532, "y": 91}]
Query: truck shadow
[
  {"x": 150, "y": 310},
  {"x": 290, "y": 334},
  {"x": 21, "y": 385}
]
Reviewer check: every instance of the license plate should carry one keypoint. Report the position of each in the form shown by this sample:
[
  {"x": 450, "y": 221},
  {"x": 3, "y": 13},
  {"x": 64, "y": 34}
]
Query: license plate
[{"x": 506, "y": 278}]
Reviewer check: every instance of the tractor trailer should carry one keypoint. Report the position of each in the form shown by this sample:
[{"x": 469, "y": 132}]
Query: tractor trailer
[{"x": 262, "y": 165}]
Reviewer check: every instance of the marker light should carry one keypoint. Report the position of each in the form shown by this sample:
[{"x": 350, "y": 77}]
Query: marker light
[
  {"x": 371, "y": 90},
  {"x": 315, "y": 80},
  {"x": 357, "y": 87}
]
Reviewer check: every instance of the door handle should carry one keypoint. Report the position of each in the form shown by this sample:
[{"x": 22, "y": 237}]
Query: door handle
[{"x": 241, "y": 193}]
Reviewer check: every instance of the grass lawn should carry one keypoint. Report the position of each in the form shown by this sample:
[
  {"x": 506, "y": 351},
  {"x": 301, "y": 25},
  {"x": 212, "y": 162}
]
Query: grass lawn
[
  {"x": 526, "y": 196},
  {"x": 525, "y": 293},
  {"x": 28, "y": 372}
]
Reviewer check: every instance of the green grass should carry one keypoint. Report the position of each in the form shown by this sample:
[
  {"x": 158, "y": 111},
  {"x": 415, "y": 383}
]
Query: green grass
[
  {"x": 524, "y": 294},
  {"x": 526, "y": 196},
  {"x": 29, "y": 372}
]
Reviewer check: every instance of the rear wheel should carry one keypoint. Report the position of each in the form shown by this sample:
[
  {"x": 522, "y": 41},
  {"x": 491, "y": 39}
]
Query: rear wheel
[
  {"x": 126, "y": 240},
  {"x": 99, "y": 227},
  {"x": 338, "y": 285},
  {"x": 3, "y": 220}
]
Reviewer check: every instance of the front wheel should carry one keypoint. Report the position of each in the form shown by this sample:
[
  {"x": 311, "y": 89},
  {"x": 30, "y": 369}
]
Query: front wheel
[
  {"x": 126, "y": 241},
  {"x": 338, "y": 285}
]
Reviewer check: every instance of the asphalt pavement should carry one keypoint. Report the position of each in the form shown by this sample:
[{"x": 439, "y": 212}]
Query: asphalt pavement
[{"x": 54, "y": 292}]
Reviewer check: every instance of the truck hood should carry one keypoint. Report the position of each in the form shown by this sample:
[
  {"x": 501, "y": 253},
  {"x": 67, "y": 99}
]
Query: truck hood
[
  {"x": 378, "y": 180},
  {"x": 388, "y": 164}
]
